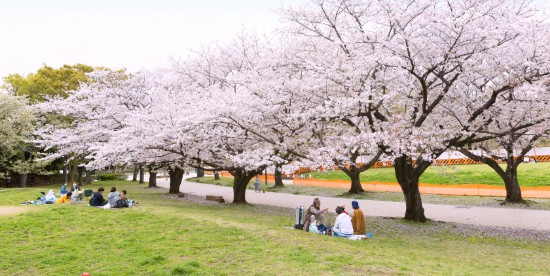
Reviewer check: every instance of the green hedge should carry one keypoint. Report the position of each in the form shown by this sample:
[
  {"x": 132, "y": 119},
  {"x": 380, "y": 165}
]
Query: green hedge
[{"x": 110, "y": 176}]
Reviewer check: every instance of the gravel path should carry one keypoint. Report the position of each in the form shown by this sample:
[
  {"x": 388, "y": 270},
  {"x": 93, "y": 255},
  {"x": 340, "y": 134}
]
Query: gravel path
[{"x": 538, "y": 220}]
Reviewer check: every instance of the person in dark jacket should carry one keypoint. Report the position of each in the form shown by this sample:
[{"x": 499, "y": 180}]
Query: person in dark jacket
[{"x": 97, "y": 198}]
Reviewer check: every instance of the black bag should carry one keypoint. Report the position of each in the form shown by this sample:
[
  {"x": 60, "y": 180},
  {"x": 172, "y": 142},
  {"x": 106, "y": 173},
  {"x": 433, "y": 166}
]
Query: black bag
[
  {"x": 121, "y": 203},
  {"x": 299, "y": 226}
]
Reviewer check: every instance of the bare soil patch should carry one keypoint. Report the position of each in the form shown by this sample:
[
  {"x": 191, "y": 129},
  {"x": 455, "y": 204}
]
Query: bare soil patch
[{"x": 12, "y": 210}]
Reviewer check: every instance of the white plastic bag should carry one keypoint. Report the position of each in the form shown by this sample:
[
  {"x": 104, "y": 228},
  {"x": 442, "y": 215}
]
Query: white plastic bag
[{"x": 50, "y": 196}]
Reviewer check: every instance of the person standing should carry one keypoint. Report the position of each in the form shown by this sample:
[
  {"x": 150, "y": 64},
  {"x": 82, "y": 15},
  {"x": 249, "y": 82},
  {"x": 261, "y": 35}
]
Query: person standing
[
  {"x": 257, "y": 184},
  {"x": 358, "y": 219}
]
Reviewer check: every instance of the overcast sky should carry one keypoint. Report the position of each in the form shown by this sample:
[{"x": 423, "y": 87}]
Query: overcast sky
[{"x": 133, "y": 34}]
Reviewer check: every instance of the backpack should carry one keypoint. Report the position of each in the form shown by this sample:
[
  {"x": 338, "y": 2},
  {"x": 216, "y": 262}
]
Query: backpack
[{"x": 121, "y": 203}]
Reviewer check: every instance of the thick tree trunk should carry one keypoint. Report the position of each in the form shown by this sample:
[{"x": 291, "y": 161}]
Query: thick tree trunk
[
  {"x": 513, "y": 191},
  {"x": 152, "y": 176},
  {"x": 65, "y": 176},
  {"x": 408, "y": 177},
  {"x": 141, "y": 174},
  {"x": 81, "y": 170},
  {"x": 216, "y": 175},
  {"x": 88, "y": 179},
  {"x": 176, "y": 176},
  {"x": 510, "y": 176},
  {"x": 241, "y": 178},
  {"x": 355, "y": 175},
  {"x": 200, "y": 173},
  {"x": 23, "y": 180},
  {"x": 72, "y": 173},
  {"x": 136, "y": 171},
  {"x": 278, "y": 176}
]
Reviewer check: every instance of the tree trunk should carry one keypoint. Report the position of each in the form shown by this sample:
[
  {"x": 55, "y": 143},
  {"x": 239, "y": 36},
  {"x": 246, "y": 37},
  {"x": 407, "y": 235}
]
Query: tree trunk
[
  {"x": 513, "y": 191},
  {"x": 141, "y": 174},
  {"x": 81, "y": 170},
  {"x": 200, "y": 173},
  {"x": 408, "y": 176},
  {"x": 278, "y": 176},
  {"x": 216, "y": 175},
  {"x": 152, "y": 176},
  {"x": 510, "y": 176},
  {"x": 355, "y": 175},
  {"x": 23, "y": 180},
  {"x": 65, "y": 176},
  {"x": 72, "y": 173},
  {"x": 136, "y": 171},
  {"x": 241, "y": 178},
  {"x": 176, "y": 176},
  {"x": 88, "y": 177}
]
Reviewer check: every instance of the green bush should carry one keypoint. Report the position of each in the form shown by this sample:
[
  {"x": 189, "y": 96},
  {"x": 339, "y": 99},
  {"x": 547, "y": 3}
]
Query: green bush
[{"x": 111, "y": 176}]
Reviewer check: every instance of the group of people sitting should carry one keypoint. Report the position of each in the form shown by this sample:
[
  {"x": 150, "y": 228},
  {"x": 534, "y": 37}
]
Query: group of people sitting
[
  {"x": 114, "y": 199},
  {"x": 74, "y": 194},
  {"x": 346, "y": 225}
]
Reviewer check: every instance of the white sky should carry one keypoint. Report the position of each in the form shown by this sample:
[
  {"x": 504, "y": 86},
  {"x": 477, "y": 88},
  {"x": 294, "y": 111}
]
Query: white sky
[{"x": 133, "y": 34}]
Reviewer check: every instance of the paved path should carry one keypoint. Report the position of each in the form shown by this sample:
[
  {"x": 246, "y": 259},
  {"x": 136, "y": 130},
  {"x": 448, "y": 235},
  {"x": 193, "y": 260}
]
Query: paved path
[{"x": 488, "y": 216}]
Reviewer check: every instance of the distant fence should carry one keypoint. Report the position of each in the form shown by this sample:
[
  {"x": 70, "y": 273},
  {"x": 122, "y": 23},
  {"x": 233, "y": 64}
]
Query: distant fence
[
  {"x": 541, "y": 154},
  {"x": 438, "y": 189},
  {"x": 463, "y": 189}
]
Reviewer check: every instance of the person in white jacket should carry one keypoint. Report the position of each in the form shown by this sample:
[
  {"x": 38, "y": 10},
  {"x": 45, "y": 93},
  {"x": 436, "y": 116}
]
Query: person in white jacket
[{"x": 342, "y": 226}]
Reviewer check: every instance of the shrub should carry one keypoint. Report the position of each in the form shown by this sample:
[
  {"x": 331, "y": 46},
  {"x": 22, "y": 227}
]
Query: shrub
[{"x": 111, "y": 176}]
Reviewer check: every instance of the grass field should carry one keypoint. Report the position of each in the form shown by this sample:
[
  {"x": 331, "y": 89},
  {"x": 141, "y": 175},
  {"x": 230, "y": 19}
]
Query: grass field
[
  {"x": 167, "y": 236},
  {"x": 483, "y": 201},
  {"x": 530, "y": 175}
]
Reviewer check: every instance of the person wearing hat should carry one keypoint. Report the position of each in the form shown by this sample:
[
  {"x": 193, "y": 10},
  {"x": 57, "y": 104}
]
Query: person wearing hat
[
  {"x": 358, "y": 219},
  {"x": 342, "y": 225},
  {"x": 343, "y": 208}
]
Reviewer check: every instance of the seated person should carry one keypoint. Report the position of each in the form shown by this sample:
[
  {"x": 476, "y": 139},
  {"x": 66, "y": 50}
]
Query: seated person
[
  {"x": 358, "y": 220},
  {"x": 65, "y": 198},
  {"x": 343, "y": 208},
  {"x": 313, "y": 226},
  {"x": 63, "y": 189},
  {"x": 316, "y": 212},
  {"x": 74, "y": 188},
  {"x": 123, "y": 195},
  {"x": 97, "y": 198},
  {"x": 113, "y": 197},
  {"x": 342, "y": 225}
]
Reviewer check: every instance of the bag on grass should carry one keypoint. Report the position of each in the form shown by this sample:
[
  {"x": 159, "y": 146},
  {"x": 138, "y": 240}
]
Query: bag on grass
[
  {"x": 121, "y": 203},
  {"x": 299, "y": 226}
]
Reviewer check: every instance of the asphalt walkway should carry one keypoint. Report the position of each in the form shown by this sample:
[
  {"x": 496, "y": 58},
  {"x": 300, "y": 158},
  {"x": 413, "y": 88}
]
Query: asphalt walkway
[{"x": 486, "y": 216}]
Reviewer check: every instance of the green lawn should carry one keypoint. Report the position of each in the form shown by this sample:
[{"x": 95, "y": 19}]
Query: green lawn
[
  {"x": 530, "y": 175},
  {"x": 167, "y": 236}
]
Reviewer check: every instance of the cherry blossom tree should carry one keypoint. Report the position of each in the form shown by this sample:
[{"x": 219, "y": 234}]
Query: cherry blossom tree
[
  {"x": 417, "y": 62},
  {"x": 517, "y": 123}
]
